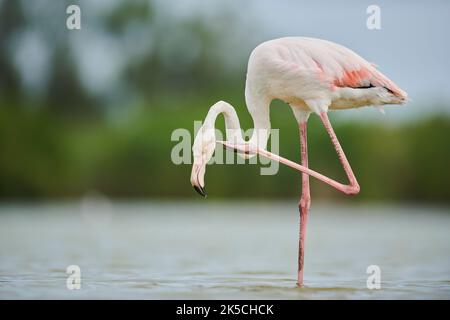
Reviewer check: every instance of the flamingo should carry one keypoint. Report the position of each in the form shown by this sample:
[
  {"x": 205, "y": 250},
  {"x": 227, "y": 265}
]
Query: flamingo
[{"x": 311, "y": 76}]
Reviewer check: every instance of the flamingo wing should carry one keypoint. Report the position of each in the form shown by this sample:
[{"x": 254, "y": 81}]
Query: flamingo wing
[
  {"x": 325, "y": 64},
  {"x": 344, "y": 68}
]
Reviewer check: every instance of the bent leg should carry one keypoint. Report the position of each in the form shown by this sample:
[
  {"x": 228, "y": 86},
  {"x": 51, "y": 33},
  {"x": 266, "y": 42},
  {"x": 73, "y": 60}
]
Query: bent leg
[
  {"x": 350, "y": 189},
  {"x": 342, "y": 158}
]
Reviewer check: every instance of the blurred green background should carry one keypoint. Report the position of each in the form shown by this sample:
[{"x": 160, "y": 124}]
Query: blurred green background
[{"x": 94, "y": 109}]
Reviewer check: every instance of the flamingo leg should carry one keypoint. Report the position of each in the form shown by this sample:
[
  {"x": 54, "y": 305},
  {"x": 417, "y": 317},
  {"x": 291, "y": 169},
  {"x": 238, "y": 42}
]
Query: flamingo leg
[
  {"x": 305, "y": 202},
  {"x": 351, "y": 188},
  {"x": 353, "y": 185}
]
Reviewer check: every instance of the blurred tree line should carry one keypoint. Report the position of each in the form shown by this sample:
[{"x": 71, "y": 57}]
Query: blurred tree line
[{"x": 62, "y": 136}]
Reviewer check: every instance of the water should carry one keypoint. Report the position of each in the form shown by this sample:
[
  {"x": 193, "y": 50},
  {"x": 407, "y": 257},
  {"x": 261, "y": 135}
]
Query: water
[{"x": 209, "y": 250}]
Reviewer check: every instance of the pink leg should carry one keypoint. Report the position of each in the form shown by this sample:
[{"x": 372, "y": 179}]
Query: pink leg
[
  {"x": 353, "y": 187},
  {"x": 305, "y": 202},
  {"x": 350, "y": 189}
]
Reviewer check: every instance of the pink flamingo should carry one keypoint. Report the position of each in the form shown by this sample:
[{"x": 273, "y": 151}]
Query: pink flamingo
[{"x": 311, "y": 75}]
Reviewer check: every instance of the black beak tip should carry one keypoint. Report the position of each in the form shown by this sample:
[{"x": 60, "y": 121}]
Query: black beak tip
[{"x": 201, "y": 191}]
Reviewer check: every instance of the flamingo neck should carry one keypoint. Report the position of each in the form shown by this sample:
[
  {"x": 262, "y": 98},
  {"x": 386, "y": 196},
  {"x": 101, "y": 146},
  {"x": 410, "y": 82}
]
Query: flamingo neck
[{"x": 233, "y": 130}]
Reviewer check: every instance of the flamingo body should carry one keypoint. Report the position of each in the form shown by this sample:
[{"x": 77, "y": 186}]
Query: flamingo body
[{"x": 317, "y": 75}]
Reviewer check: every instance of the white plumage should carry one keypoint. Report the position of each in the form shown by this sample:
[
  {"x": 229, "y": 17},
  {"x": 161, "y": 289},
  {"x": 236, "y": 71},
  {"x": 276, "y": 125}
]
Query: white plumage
[{"x": 310, "y": 73}]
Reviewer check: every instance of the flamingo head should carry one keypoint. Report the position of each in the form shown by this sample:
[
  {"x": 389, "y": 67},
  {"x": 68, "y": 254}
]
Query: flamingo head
[{"x": 202, "y": 150}]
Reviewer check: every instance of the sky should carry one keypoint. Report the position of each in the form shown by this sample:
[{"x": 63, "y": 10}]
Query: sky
[{"x": 411, "y": 48}]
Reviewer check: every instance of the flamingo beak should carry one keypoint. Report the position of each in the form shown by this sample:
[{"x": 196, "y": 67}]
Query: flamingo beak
[{"x": 197, "y": 178}]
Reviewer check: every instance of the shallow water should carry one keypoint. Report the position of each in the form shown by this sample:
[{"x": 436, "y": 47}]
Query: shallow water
[{"x": 211, "y": 250}]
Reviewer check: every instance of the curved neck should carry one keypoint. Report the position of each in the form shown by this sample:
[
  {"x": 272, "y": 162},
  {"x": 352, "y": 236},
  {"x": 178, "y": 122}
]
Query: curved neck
[{"x": 260, "y": 116}]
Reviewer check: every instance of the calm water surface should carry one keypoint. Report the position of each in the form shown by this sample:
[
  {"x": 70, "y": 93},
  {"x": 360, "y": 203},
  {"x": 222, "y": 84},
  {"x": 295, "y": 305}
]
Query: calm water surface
[{"x": 211, "y": 250}]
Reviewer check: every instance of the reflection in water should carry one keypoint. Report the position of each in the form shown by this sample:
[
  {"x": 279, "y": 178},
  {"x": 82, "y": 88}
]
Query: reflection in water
[{"x": 215, "y": 250}]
